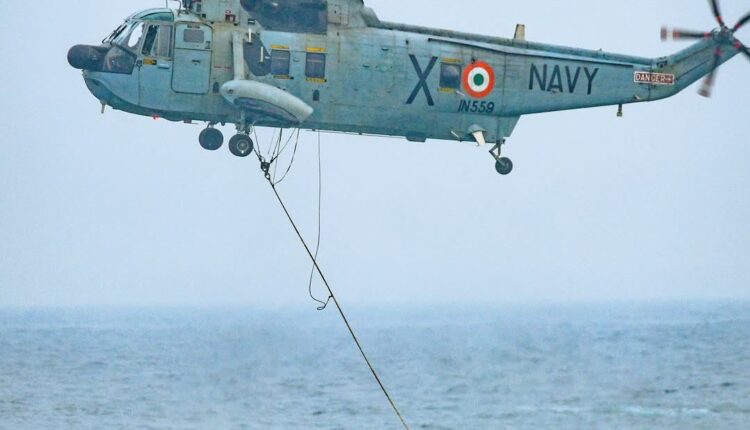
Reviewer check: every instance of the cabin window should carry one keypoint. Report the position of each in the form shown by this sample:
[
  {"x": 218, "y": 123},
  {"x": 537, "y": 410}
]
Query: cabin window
[
  {"x": 158, "y": 41},
  {"x": 315, "y": 68},
  {"x": 280, "y": 62},
  {"x": 450, "y": 76},
  {"x": 192, "y": 35}
]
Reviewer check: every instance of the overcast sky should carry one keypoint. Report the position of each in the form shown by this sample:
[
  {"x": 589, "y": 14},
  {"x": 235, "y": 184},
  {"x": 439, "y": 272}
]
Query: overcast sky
[{"x": 117, "y": 209}]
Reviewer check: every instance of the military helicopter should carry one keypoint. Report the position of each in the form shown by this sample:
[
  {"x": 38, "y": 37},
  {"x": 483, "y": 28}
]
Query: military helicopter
[{"x": 332, "y": 65}]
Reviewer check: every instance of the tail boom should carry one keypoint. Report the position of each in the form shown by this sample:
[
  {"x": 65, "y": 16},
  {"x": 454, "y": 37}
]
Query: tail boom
[{"x": 545, "y": 85}]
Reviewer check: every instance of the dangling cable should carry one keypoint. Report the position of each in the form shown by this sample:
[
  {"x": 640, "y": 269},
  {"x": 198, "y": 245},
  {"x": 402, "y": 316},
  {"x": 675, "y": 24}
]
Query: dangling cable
[
  {"x": 257, "y": 141},
  {"x": 265, "y": 166},
  {"x": 294, "y": 133},
  {"x": 269, "y": 152},
  {"x": 323, "y": 305},
  {"x": 291, "y": 162},
  {"x": 276, "y": 152},
  {"x": 341, "y": 311}
]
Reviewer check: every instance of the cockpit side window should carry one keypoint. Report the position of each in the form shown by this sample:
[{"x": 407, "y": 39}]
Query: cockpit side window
[
  {"x": 150, "y": 40},
  {"x": 164, "y": 44},
  {"x": 158, "y": 41}
]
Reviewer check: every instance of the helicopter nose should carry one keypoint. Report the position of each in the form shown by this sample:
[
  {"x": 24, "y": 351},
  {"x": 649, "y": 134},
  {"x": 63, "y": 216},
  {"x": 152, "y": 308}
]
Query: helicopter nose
[{"x": 85, "y": 57}]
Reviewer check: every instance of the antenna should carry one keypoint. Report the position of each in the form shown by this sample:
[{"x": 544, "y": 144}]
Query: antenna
[{"x": 178, "y": 1}]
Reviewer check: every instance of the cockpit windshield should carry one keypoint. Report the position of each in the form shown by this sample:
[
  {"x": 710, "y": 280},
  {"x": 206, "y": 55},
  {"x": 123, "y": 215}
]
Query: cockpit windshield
[
  {"x": 120, "y": 34},
  {"x": 115, "y": 33},
  {"x": 121, "y": 46},
  {"x": 127, "y": 35},
  {"x": 124, "y": 41},
  {"x": 134, "y": 36}
]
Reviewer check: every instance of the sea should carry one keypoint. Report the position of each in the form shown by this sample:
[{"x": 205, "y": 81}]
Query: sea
[{"x": 677, "y": 365}]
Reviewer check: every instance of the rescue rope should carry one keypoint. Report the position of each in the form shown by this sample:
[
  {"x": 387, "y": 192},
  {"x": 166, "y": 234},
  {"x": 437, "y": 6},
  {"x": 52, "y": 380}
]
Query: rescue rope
[{"x": 265, "y": 167}]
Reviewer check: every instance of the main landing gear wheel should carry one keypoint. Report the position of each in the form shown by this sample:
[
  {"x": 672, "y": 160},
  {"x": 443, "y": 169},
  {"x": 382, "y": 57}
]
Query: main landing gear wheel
[
  {"x": 241, "y": 145},
  {"x": 211, "y": 139},
  {"x": 504, "y": 166}
]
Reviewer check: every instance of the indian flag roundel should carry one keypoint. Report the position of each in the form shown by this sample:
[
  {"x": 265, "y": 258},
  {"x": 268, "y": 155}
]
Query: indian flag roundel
[{"x": 479, "y": 79}]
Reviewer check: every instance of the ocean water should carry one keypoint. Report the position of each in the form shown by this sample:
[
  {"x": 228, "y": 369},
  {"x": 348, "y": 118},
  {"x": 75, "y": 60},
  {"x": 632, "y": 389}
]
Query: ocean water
[{"x": 598, "y": 366}]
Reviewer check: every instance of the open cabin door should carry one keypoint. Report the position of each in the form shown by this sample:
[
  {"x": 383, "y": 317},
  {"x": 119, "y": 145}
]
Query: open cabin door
[{"x": 192, "y": 58}]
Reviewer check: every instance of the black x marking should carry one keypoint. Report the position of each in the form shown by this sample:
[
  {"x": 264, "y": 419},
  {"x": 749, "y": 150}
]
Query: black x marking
[{"x": 422, "y": 84}]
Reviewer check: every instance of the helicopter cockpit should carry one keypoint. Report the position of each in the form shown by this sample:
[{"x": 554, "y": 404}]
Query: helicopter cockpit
[
  {"x": 162, "y": 63},
  {"x": 119, "y": 51}
]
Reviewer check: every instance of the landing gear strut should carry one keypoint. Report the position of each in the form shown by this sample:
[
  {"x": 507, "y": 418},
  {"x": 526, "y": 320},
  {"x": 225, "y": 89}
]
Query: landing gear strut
[
  {"x": 503, "y": 165},
  {"x": 211, "y": 139}
]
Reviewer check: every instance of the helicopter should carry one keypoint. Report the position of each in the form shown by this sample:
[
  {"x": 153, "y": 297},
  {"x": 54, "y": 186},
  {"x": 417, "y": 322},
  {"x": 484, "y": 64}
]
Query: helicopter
[{"x": 333, "y": 65}]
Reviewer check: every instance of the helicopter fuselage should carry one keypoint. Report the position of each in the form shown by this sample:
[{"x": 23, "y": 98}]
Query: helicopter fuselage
[{"x": 361, "y": 75}]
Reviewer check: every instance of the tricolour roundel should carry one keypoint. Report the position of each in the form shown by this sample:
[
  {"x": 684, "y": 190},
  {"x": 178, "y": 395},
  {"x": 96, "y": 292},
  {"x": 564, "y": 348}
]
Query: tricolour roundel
[{"x": 479, "y": 79}]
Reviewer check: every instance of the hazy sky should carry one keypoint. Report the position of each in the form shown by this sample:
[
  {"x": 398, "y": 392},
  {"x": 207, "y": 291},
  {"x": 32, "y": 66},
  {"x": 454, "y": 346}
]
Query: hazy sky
[{"x": 123, "y": 210}]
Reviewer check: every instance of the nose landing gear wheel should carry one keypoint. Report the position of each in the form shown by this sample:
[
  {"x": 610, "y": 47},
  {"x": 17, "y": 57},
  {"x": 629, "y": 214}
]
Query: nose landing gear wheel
[
  {"x": 241, "y": 145},
  {"x": 211, "y": 139},
  {"x": 504, "y": 166}
]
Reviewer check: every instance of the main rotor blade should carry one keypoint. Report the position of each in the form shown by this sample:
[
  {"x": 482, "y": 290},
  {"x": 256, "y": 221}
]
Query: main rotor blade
[
  {"x": 708, "y": 84},
  {"x": 678, "y": 34},
  {"x": 745, "y": 19},
  {"x": 717, "y": 12}
]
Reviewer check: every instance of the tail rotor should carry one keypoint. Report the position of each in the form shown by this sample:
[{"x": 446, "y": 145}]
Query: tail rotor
[{"x": 724, "y": 33}]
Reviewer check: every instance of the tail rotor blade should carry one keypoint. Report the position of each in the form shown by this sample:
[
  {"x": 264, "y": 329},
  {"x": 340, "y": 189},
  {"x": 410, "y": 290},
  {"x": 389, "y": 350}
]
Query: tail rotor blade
[
  {"x": 745, "y": 50},
  {"x": 678, "y": 34},
  {"x": 708, "y": 84},
  {"x": 717, "y": 12},
  {"x": 745, "y": 19}
]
